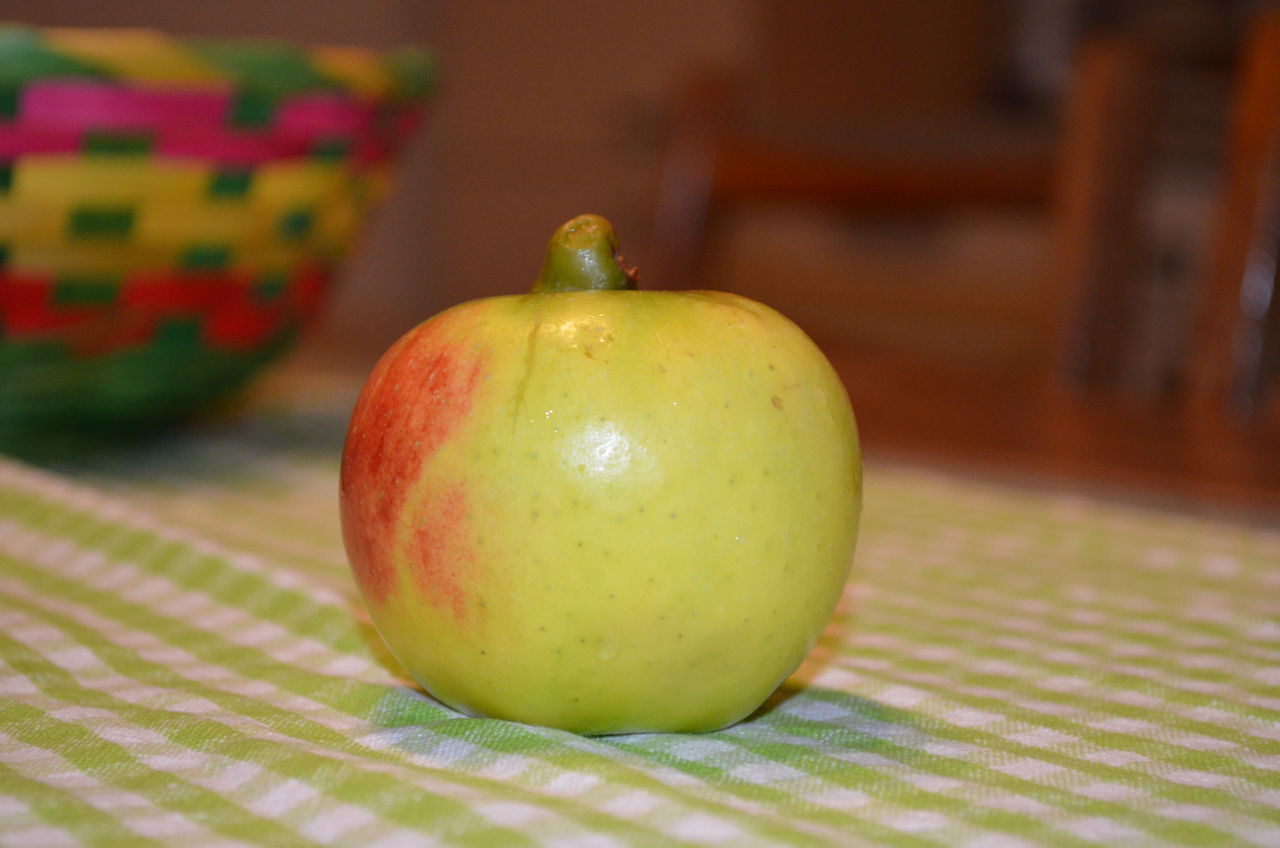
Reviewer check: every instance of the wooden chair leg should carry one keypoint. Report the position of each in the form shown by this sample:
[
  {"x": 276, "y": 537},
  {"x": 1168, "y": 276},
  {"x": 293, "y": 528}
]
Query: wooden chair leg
[
  {"x": 1226, "y": 363},
  {"x": 1097, "y": 255}
]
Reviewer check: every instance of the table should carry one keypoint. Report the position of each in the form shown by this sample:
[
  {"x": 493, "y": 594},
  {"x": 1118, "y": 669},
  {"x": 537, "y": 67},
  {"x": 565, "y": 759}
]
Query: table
[{"x": 184, "y": 661}]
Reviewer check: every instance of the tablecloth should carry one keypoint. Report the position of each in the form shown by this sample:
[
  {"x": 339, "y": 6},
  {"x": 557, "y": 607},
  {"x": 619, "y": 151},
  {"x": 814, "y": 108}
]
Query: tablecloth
[{"x": 184, "y": 661}]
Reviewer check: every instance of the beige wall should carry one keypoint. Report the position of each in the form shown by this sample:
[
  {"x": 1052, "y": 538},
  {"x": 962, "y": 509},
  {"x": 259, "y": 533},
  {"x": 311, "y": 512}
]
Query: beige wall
[{"x": 555, "y": 109}]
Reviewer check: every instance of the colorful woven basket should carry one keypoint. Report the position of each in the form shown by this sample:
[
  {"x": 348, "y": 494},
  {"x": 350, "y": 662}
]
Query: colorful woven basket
[{"x": 171, "y": 212}]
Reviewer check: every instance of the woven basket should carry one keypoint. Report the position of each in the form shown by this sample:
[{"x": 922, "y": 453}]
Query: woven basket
[{"x": 171, "y": 213}]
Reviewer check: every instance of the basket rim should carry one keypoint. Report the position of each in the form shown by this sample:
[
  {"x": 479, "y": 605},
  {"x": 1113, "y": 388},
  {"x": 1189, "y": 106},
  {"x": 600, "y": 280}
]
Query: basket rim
[{"x": 156, "y": 59}]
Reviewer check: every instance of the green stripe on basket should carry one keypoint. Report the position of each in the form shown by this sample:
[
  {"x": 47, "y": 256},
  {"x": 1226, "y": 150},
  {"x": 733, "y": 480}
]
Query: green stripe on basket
[
  {"x": 24, "y": 56},
  {"x": 273, "y": 69},
  {"x": 253, "y": 109},
  {"x": 330, "y": 149},
  {"x": 114, "y": 398},
  {"x": 86, "y": 289},
  {"x": 206, "y": 257},
  {"x": 416, "y": 72},
  {"x": 230, "y": 183},
  {"x": 116, "y": 143},
  {"x": 100, "y": 222},
  {"x": 296, "y": 224},
  {"x": 270, "y": 286}
]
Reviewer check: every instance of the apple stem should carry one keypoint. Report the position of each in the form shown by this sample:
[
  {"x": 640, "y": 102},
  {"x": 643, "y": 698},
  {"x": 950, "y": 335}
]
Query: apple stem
[{"x": 583, "y": 255}]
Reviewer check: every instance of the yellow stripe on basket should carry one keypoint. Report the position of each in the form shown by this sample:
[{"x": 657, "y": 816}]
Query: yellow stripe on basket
[
  {"x": 181, "y": 222},
  {"x": 357, "y": 68},
  {"x": 260, "y": 260},
  {"x": 337, "y": 222},
  {"x": 105, "y": 180},
  {"x": 126, "y": 259},
  {"x": 30, "y": 223},
  {"x": 105, "y": 258},
  {"x": 284, "y": 185},
  {"x": 136, "y": 54},
  {"x": 378, "y": 181},
  {"x": 163, "y": 224}
]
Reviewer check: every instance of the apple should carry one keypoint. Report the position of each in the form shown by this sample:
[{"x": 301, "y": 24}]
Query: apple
[{"x": 601, "y": 509}]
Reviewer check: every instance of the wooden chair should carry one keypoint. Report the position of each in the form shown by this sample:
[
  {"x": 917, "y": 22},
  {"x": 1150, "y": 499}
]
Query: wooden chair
[
  {"x": 1088, "y": 179},
  {"x": 844, "y": 104},
  {"x": 1098, "y": 254},
  {"x": 1234, "y": 360},
  {"x": 1211, "y": 442},
  {"x": 1072, "y": 417}
]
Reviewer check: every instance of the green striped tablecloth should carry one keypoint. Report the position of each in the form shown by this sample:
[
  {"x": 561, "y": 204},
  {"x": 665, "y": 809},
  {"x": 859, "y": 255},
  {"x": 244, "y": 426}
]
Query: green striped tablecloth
[{"x": 184, "y": 661}]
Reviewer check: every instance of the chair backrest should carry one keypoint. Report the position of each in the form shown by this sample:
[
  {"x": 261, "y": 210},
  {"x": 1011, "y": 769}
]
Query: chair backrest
[
  {"x": 875, "y": 62},
  {"x": 1236, "y": 332},
  {"x": 1106, "y": 144},
  {"x": 1103, "y": 170}
]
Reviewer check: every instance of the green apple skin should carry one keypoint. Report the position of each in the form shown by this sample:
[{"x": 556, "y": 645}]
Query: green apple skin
[{"x": 602, "y": 511}]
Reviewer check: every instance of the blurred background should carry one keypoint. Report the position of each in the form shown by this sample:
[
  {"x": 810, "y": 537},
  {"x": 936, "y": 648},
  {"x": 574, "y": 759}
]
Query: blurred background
[{"x": 1035, "y": 236}]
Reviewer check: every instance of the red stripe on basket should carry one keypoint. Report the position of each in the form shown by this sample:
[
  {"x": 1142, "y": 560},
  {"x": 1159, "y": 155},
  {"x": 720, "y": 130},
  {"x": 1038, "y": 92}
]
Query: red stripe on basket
[
  {"x": 26, "y": 307},
  {"x": 25, "y": 141},
  {"x": 382, "y": 142},
  {"x": 233, "y": 316},
  {"x": 183, "y": 293},
  {"x": 371, "y": 150},
  {"x": 228, "y": 148},
  {"x": 205, "y": 144},
  {"x": 407, "y": 121},
  {"x": 241, "y": 324},
  {"x": 97, "y": 105},
  {"x": 208, "y": 143},
  {"x": 308, "y": 288}
]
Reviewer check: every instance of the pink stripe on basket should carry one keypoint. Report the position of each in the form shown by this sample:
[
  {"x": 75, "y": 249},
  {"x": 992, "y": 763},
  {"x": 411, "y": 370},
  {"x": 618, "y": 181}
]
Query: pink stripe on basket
[
  {"x": 323, "y": 114},
  {"x": 96, "y": 105}
]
